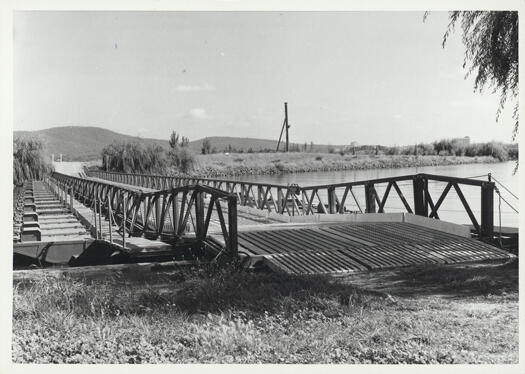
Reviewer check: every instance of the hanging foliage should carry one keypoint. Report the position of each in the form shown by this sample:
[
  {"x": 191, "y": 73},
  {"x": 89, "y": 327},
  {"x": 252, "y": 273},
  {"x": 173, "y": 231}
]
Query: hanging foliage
[
  {"x": 491, "y": 52},
  {"x": 29, "y": 162}
]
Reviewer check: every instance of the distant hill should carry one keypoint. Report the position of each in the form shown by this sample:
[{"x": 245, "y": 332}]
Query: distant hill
[{"x": 83, "y": 143}]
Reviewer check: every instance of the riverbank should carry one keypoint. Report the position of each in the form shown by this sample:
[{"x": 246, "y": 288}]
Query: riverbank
[
  {"x": 431, "y": 314},
  {"x": 238, "y": 164}
]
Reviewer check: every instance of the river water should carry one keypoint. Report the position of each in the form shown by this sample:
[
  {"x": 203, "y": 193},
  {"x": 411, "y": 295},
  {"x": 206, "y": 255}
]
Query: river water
[{"x": 451, "y": 210}]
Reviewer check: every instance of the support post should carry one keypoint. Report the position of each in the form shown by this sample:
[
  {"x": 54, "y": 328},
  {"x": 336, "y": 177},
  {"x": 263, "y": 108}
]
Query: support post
[
  {"x": 260, "y": 194},
  {"x": 487, "y": 210},
  {"x": 280, "y": 205},
  {"x": 175, "y": 215},
  {"x": 95, "y": 217},
  {"x": 332, "y": 201},
  {"x": 420, "y": 203},
  {"x": 100, "y": 217},
  {"x": 232, "y": 227},
  {"x": 199, "y": 216},
  {"x": 110, "y": 222},
  {"x": 158, "y": 211},
  {"x": 370, "y": 198},
  {"x": 124, "y": 218}
]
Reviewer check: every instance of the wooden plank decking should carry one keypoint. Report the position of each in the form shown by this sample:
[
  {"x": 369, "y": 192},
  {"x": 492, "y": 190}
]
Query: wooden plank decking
[
  {"x": 56, "y": 221},
  {"x": 351, "y": 247}
]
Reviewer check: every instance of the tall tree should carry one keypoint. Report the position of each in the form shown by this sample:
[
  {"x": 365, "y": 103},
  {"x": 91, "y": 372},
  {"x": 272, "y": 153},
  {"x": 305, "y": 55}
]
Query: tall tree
[
  {"x": 491, "y": 55},
  {"x": 206, "y": 146},
  {"x": 29, "y": 161},
  {"x": 174, "y": 140}
]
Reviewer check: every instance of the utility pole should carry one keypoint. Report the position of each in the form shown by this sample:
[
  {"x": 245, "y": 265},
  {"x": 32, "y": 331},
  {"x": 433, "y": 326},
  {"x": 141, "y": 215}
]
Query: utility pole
[{"x": 285, "y": 126}]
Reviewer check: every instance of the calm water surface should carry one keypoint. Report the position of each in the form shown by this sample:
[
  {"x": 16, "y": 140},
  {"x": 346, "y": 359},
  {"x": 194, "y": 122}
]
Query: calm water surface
[{"x": 451, "y": 209}]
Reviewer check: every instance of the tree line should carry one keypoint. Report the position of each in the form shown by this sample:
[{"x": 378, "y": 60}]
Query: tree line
[
  {"x": 30, "y": 163},
  {"x": 453, "y": 147}
]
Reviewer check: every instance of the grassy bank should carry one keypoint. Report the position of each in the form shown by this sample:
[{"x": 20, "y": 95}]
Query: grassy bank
[
  {"x": 215, "y": 165},
  {"x": 433, "y": 315}
]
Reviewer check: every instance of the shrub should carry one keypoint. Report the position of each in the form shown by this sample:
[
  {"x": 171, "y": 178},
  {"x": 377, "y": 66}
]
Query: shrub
[
  {"x": 279, "y": 167},
  {"x": 513, "y": 153},
  {"x": 206, "y": 146},
  {"x": 133, "y": 158},
  {"x": 473, "y": 150},
  {"x": 496, "y": 150},
  {"x": 155, "y": 158},
  {"x": 391, "y": 151},
  {"x": 179, "y": 154},
  {"x": 186, "y": 160},
  {"x": 426, "y": 149}
]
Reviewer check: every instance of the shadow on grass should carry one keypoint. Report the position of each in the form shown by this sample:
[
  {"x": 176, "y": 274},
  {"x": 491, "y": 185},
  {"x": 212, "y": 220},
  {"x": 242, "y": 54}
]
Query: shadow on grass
[
  {"x": 227, "y": 289},
  {"x": 199, "y": 291},
  {"x": 449, "y": 281}
]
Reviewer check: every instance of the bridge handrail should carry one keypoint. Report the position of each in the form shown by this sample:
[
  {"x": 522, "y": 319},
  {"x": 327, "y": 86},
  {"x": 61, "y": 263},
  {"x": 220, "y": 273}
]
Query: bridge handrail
[
  {"x": 189, "y": 178},
  {"x": 158, "y": 213},
  {"x": 436, "y": 177},
  {"x": 294, "y": 198},
  {"x": 145, "y": 192}
]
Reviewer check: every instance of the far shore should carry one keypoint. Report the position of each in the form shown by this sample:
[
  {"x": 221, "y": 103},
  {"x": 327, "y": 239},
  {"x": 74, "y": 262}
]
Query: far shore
[{"x": 238, "y": 164}]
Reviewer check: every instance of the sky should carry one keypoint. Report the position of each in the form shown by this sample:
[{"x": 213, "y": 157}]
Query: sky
[{"x": 370, "y": 77}]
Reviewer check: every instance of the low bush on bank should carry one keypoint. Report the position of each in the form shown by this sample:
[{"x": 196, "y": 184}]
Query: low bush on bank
[
  {"x": 153, "y": 159},
  {"x": 133, "y": 158},
  {"x": 455, "y": 147},
  {"x": 221, "y": 165}
]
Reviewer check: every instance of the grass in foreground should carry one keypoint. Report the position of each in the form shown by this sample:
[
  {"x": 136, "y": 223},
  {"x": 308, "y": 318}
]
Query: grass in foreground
[{"x": 206, "y": 316}]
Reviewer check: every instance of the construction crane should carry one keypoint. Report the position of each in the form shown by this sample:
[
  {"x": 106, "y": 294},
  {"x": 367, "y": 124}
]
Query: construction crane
[{"x": 285, "y": 126}]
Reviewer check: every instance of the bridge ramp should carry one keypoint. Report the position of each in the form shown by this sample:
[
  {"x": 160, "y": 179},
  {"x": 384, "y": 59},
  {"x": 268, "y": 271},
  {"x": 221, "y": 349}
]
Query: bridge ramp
[
  {"x": 340, "y": 249},
  {"x": 69, "y": 167}
]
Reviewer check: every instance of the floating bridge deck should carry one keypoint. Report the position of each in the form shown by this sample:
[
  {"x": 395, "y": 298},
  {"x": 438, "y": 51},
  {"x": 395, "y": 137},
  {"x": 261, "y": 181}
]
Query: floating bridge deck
[
  {"x": 336, "y": 247},
  {"x": 55, "y": 221},
  {"x": 46, "y": 229}
]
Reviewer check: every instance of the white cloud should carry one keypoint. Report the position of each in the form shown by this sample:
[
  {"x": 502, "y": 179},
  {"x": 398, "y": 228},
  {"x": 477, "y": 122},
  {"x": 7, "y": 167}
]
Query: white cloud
[
  {"x": 195, "y": 88},
  {"x": 199, "y": 113}
]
